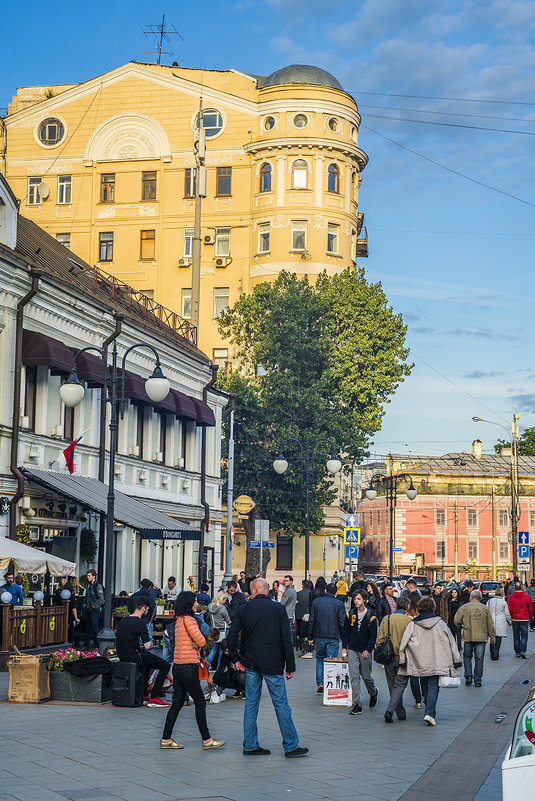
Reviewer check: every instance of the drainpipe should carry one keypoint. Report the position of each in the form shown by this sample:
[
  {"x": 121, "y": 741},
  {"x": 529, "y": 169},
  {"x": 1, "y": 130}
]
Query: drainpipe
[
  {"x": 102, "y": 443},
  {"x": 35, "y": 276},
  {"x": 206, "y": 506},
  {"x": 4, "y": 148}
]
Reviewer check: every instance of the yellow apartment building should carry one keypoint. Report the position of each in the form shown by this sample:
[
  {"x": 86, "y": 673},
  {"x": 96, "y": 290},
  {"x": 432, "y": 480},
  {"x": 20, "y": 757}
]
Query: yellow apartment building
[{"x": 108, "y": 167}]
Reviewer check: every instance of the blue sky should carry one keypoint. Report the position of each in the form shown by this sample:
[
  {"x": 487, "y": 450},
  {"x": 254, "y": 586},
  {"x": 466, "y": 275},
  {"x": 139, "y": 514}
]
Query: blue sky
[{"x": 453, "y": 256}]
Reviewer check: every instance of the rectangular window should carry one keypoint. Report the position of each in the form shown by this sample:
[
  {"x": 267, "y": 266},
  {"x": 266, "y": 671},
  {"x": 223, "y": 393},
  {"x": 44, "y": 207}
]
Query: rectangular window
[
  {"x": 503, "y": 518},
  {"x": 532, "y": 519},
  {"x": 64, "y": 239},
  {"x": 107, "y": 187},
  {"x": 163, "y": 435},
  {"x": 332, "y": 238},
  {"x": 299, "y": 235},
  {"x": 370, "y": 515},
  {"x": 220, "y": 357},
  {"x": 188, "y": 241},
  {"x": 223, "y": 181},
  {"x": 184, "y": 443},
  {"x": 472, "y": 549},
  {"x": 284, "y": 553},
  {"x": 471, "y": 518},
  {"x": 148, "y": 186},
  {"x": 106, "y": 246},
  {"x": 221, "y": 296},
  {"x": 186, "y": 304},
  {"x": 441, "y": 550},
  {"x": 147, "y": 244},
  {"x": 140, "y": 428},
  {"x": 68, "y": 423},
  {"x": 378, "y": 550},
  {"x": 34, "y": 198},
  {"x": 222, "y": 241},
  {"x": 263, "y": 238},
  {"x": 504, "y": 551},
  {"x": 64, "y": 189},
  {"x": 190, "y": 182},
  {"x": 378, "y": 513},
  {"x": 30, "y": 392},
  {"x": 440, "y": 518}
]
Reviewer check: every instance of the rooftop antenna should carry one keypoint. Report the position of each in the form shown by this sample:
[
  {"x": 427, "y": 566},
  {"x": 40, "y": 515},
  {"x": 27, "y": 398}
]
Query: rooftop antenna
[{"x": 162, "y": 32}]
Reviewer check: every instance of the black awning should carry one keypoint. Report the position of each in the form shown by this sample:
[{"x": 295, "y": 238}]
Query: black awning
[
  {"x": 184, "y": 406},
  {"x": 151, "y": 523},
  {"x": 89, "y": 368},
  {"x": 205, "y": 416},
  {"x": 41, "y": 350}
]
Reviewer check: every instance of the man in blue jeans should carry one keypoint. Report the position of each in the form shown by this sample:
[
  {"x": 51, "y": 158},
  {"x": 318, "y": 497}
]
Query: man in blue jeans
[
  {"x": 326, "y": 624},
  {"x": 265, "y": 653}
]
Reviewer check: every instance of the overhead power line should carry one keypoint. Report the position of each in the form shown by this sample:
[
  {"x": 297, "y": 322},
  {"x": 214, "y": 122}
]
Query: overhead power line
[
  {"x": 449, "y": 113},
  {"x": 452, "y": 124},
  {"x": 449, "y": 169},
  {"x": 457, "y": 99}
]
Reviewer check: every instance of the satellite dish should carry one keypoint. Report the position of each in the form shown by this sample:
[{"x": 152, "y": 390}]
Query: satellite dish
[{"x": 44, "y": 190}]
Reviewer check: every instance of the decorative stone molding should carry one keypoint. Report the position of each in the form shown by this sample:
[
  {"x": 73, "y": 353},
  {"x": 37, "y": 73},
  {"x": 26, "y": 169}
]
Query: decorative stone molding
[{"x": 128, "y": 136}]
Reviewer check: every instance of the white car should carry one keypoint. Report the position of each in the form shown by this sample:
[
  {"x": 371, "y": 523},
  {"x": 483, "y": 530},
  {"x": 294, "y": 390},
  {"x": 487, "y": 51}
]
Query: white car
[{"x": 518, "y": 767}]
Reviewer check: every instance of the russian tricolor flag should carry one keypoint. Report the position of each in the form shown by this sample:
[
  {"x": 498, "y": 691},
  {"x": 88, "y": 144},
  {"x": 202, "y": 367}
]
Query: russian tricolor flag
[{"x": 69, "y": 454}]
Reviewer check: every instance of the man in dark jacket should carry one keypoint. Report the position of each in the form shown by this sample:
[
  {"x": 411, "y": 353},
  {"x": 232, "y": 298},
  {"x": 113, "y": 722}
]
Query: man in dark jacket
[
  {"x": 91, "y": 604},
  {"x": 302, "y": 610},
  {"x": 145, "y": 593},
  {"x": 263, "y": 651},
  {"x": 235, "y": 599},
  {"x": 327, "y": 616},
  {"x": 359, "y": 583},
  {"x": 358, "y": 642}
]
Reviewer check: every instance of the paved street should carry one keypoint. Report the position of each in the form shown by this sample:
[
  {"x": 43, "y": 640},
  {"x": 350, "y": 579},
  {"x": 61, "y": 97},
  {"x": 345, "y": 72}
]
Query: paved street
[{"x": 54, "y": 751}]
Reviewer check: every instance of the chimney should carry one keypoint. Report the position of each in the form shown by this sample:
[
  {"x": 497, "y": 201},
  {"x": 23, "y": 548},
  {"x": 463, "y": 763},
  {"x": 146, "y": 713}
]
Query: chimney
[{"x": 476, "y": 449}]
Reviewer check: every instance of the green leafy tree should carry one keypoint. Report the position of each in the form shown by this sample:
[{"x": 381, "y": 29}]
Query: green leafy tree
[
  {"x": 333, "y": 353},
  {"x": 526, "y": 443}
]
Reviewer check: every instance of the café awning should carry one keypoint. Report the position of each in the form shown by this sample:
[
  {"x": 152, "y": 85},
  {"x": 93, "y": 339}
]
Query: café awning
[
  {"x": 150, "y": 522},
  {"x": 32, "y": 560},
  {"x": 39, "y": 349}
]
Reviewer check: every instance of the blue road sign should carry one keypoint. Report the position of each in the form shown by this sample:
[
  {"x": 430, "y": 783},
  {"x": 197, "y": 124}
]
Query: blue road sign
[
  {"x": 352, "y": 521},
  {"x": 397, "y": 549},
  {"x": 257, "y": 544},
  {"x": 523, "y": 551},
  {"x": 352, "y": 551},
  {"x": 523, "y": 537},
  {"x": 351, "y": 536}
]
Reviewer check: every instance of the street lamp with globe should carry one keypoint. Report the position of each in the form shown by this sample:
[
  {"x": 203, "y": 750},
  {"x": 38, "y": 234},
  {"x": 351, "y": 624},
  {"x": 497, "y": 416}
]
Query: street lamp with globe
[{"x": 391, "y": 480}]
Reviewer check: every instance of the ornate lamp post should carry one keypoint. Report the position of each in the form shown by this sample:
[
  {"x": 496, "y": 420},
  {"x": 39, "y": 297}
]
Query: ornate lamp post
[
  {"x": 72, "y": 392},
  {"x": 306, "y": 464},
  {"x": 391, "y": 480}
]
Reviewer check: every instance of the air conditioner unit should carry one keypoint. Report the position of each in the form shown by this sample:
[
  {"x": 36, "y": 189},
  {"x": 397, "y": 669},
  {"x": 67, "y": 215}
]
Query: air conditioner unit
[
  {"x": 57, "y": 431},
  {"x": 24, "y": 421},
  {"x": 179, "y": 462},
  {"x": 221, "y": 261},
  {"x": 133, "y": 450},
  {"x": 185, "y": 262},
  {"x": 157, "y": 457},
  {"x": 209, "y": 239}
]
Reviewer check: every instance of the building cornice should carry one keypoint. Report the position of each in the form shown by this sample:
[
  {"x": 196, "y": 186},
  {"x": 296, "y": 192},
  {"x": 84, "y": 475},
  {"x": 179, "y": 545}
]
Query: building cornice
[{"x": 310, "y": 144}]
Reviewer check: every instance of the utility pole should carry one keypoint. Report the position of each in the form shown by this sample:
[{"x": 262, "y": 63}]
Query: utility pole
[
  {"x": 514, "y": 491},
  {"x": 230, "y": 495},
  {"x": 199, "y": 178},
  {"x": 493, "y": 510},
  {"x": 456, "y": 546}
]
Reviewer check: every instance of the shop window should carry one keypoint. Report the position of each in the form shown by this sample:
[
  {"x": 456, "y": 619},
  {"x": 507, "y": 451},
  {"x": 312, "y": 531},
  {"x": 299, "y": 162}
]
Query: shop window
[
  {"x": 148, "y": 185},
  {"x": 265, "y": 177},
  {"x": 284, "y": 553},
  {"x": 107, "y": 187},
  {"x": 223, "y": 181},
  {"x": 147, "y": 245}
]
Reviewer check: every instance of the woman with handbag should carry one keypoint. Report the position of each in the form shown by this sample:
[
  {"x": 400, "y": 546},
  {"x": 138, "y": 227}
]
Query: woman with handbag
[
  {"x": 501, "y": 617},
  {"x": 220, "y": 620},
  {"x": 428, "y": 650},
  {"x": 186, "y": 667}
]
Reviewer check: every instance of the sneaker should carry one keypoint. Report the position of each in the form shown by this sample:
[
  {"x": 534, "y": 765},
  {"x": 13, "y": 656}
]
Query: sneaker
[
  {"x": 429, "y": 720},
  {"x": 373, "y": 698},
  {"x": 477, "y": 683},
  {"x": 213, "y": 743},
  {"x": 468, "y": 681},
  {"x": 389, "y": 717},
  {"x": 308, "y": 655},
  {"x": 297, "y": 752},
  {"x": 523, "y": 656},
  {"x": 258, "y": 752},
  {"x": 402, "y": 715},
  {"x": 170, "y": 744},
  {"x": 319, "y": 689},
  {"x": 153, "y": 702},
  {"x": 417, "y": 705},
  {"x": 356, "y": 710}
]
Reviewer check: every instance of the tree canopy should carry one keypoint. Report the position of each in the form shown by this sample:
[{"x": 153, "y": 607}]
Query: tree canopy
[
  {"x": 332, "y": 354},
  {"x": 526, "y": 443}
]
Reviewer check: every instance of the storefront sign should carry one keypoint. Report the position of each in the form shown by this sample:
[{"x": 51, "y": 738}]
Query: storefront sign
[
  {"x": 52, "y": 624},
  {"x": 243, "y": 504},
  {"x": 22, "y": 627},
  {"x": 528, "y": 725}
]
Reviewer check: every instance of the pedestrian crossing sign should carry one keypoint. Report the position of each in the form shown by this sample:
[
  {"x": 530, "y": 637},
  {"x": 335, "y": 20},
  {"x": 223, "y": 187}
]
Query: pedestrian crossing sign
[{"x": 351, "y": 536}]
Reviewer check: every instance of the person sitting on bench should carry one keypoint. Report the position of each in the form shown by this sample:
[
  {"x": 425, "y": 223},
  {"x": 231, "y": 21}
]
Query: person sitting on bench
[{"x": 131, "y": 632}]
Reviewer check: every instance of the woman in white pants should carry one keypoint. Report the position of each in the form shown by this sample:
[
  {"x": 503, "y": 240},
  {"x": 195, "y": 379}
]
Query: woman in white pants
[{"x": 501, "y": 617}]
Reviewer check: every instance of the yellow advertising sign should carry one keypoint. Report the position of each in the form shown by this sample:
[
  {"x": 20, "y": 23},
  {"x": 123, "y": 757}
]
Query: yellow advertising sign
[
  {"x": 352, "y": 536},
  {"x": 243, "y": 504}
]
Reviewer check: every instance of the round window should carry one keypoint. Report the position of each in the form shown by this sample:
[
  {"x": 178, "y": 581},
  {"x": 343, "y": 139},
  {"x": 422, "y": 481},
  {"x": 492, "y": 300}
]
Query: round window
[
  {"x": 212, "y": 122},
  {"x": 333, "y": 124},
  {"x": 51, "y": 131},
  {"x": 300, "y": 120},
  {"x": 269, "y": 123}
]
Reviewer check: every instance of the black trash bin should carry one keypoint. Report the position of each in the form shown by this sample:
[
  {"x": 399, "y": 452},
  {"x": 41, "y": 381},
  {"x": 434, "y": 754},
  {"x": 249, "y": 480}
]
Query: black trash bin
[{"x": 128, "y": 684}]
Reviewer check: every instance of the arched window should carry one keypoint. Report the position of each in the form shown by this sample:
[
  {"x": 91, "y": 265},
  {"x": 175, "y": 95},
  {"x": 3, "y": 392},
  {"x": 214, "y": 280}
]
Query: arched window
[
  {"x": 299, "y": 174},
  {"x": 265, "y": 177},
  {"x": 333, "y": 179}
]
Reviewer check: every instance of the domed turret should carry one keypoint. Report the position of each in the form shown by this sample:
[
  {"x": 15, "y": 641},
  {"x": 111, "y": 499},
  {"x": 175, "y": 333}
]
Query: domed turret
[{"x": 302, "y": 73}]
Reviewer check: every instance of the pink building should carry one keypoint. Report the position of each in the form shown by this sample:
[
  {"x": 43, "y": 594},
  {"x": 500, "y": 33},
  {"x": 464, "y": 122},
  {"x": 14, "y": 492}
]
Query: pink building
[{"x": 458, "y": 524}]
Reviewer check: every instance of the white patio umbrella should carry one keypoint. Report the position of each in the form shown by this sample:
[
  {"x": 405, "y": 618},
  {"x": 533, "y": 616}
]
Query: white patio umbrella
[{"x": 32, "y": 560}]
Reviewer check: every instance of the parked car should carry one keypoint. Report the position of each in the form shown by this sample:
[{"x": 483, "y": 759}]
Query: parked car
[
  {"x": 518, "y": 767},
  {"x": 488, "y": 589}
]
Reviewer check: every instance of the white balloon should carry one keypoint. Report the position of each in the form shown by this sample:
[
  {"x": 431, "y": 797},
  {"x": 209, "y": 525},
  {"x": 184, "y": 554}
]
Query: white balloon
[
  {"x": 65, "y": 595},
  {"x": 38, "y": 595},
  {"x": 6, "y": 597}
]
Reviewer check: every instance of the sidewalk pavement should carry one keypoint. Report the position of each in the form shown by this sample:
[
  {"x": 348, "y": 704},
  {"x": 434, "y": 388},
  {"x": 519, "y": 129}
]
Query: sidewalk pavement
[{"x": 82, "y": 752}]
